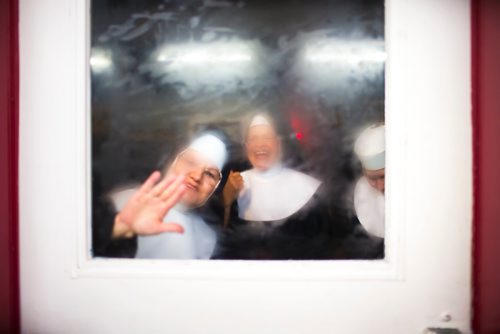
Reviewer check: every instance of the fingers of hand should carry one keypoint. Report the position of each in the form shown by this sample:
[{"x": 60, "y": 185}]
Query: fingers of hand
[
  {"x": 170, "y": 227},
  {"x": 150, "y": 182},
  {"x": 237, "y": 182},
  {"x": 233, "y": 175},
  {"x": 171, "y": 188},
  {"x": 161, "y": 186},
  {"x": 173, "y": 198}
]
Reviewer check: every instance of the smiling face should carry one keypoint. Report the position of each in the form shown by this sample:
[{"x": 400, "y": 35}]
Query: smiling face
[
  {"x": 263, "y": 147},
  {"x": 201, "y": 177}
]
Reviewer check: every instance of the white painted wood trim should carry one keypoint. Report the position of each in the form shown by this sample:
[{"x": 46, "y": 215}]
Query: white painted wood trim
[
  {"x": 85, "y": 266},
  {"x": 429, "y": 203}
]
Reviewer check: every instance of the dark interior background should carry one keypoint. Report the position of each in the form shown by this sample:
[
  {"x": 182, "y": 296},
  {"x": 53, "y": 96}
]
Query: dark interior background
[{"x": 317, "y": 66}]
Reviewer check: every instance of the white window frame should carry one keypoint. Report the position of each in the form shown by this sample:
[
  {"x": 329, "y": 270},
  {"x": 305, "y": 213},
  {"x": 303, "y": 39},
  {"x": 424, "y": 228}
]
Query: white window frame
[{"x": 390, "y": 268}]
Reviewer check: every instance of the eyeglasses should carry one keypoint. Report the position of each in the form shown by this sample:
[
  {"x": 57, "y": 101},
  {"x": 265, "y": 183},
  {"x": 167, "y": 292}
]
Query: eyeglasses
[{"x": 189, "y": 162}]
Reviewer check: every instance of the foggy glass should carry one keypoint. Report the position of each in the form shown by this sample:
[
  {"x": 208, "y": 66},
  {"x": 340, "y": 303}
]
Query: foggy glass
[{"x": 161, "y": 71}]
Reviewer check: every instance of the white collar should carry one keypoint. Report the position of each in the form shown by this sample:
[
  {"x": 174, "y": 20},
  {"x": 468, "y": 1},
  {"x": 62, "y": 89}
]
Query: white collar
[
  {"x": 369, "y": 204},
  {"x": 268, "y": 173},
  {"x": 275, "y": 194}
]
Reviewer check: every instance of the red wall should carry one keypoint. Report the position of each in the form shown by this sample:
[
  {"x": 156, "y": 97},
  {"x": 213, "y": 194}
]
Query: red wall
[
  {"x": 9, "y": 277},
  {"x": 486, "y": 127}
]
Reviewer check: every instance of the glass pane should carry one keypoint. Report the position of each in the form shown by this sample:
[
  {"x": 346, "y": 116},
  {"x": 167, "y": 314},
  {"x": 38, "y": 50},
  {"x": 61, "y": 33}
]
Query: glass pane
[{"x": 255, "y": 108}]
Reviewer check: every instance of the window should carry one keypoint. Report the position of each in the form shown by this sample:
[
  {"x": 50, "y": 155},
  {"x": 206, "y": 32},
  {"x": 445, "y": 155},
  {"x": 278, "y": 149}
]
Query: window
[{"x": 162, "y": 73}]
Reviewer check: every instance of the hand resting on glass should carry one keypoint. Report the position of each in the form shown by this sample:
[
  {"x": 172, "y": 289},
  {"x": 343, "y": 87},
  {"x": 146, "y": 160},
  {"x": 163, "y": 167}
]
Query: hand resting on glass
[{"x": 144, "y": 212}]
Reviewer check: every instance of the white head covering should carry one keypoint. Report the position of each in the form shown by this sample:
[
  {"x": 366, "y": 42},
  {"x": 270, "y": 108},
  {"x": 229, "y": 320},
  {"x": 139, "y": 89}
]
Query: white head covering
[
  {"x": 211, "y": 148},
  {"x": 370, "y": 147},
  {"x": 260, "y": 119}
]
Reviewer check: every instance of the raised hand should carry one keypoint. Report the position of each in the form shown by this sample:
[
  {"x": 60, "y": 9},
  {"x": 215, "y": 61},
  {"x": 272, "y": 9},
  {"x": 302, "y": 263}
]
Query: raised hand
[
  {"x": 144, "y": 212},
  {"x": 232, "y": 188}
]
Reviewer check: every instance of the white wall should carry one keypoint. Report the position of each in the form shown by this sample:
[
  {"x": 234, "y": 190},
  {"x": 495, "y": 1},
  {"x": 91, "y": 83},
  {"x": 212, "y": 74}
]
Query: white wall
[{"x": 429, "y": 200}]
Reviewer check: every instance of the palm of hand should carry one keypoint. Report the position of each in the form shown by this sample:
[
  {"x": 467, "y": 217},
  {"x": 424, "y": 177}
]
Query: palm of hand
[{"x": 144, "y": 213}]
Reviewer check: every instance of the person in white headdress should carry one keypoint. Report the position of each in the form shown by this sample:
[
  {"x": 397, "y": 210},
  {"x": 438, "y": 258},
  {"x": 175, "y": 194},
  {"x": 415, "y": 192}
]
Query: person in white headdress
[
  {"x": 269, "y": 191},
  {"x": 159, "y": 212},
  {"x": 369, "y": 199},
  {"x": 271, "y": 199}
]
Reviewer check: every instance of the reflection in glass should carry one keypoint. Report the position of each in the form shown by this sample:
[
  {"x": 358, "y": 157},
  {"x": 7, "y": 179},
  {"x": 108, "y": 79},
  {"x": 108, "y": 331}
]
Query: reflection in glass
[{"x": 162, "y": 71}]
